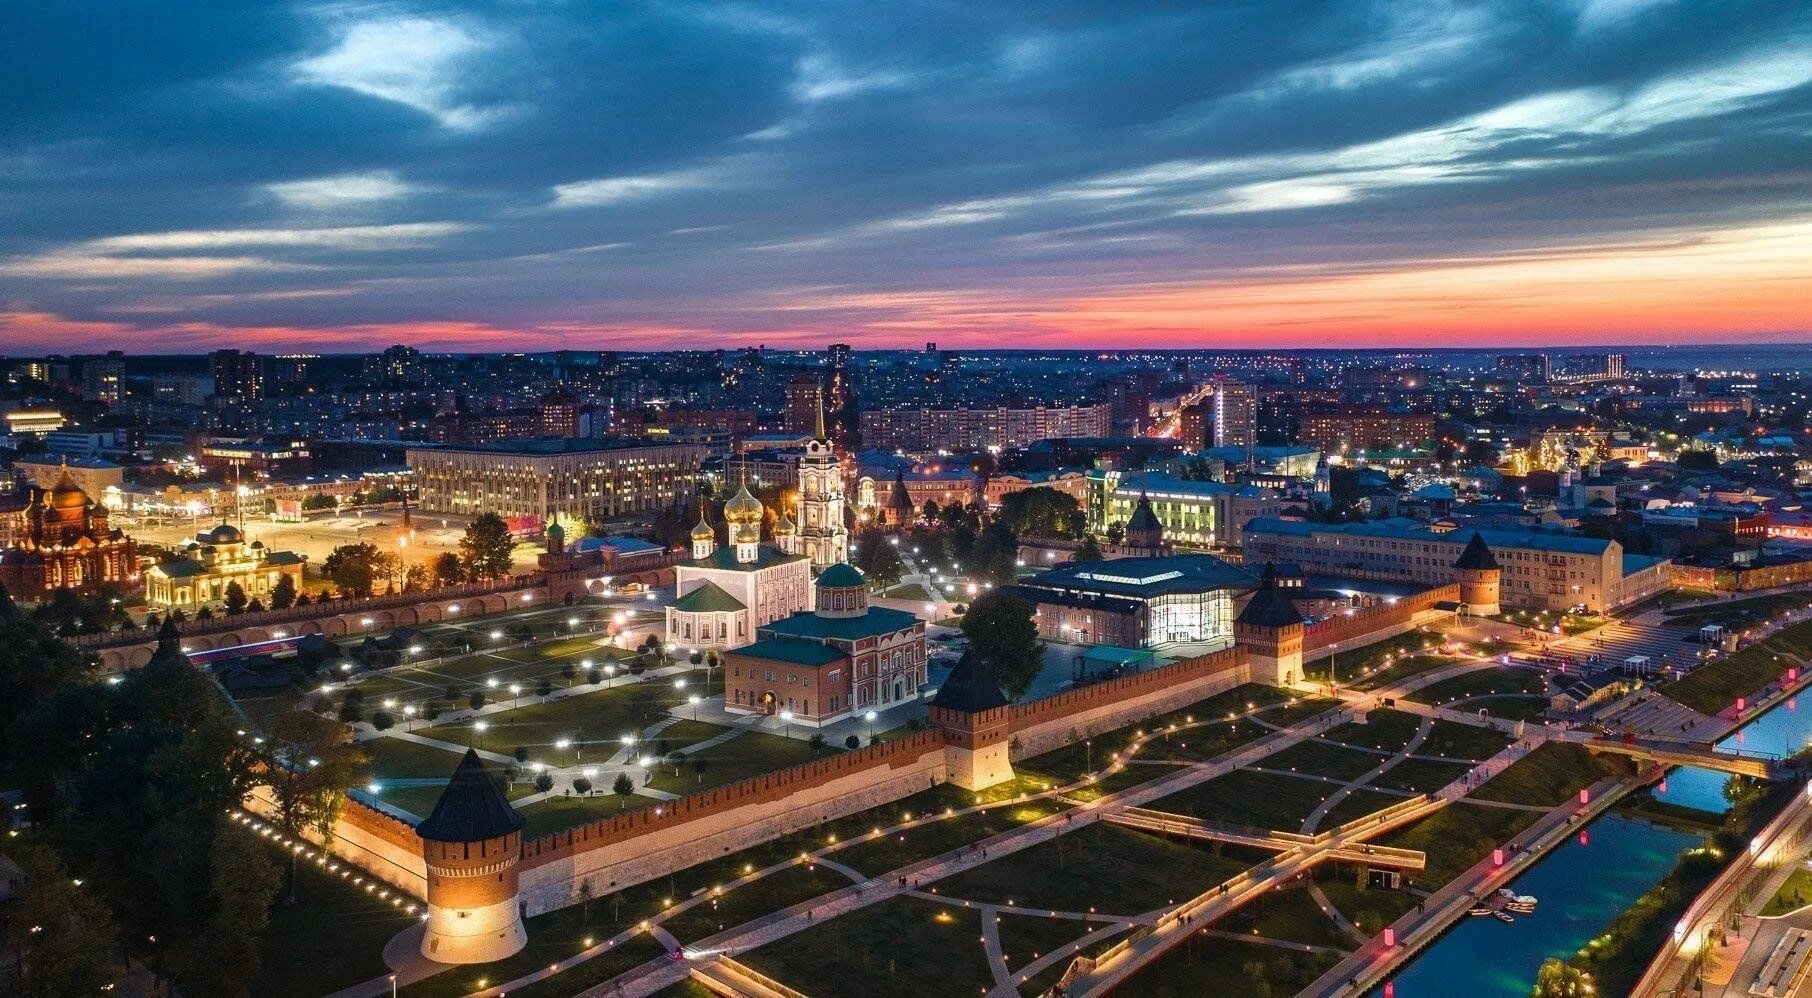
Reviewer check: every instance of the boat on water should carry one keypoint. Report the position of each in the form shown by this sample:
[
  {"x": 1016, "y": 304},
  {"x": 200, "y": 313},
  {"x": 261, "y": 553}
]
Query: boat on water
[
  {"x": 1477, "y": 912},
  {"x": 1504, "y": 916}
]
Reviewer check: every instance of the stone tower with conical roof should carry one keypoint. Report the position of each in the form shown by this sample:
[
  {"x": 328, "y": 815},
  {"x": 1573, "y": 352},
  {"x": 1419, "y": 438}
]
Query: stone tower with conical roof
[
  {"x": 899, "y": 511},
  {"x": 472, "y": 843},
  {"x": 973, "y": 714},
  {"x": 1270, "y": 630},
  {"x": 1480, "y": 578},
  {"x": 1144, "y": 532}
]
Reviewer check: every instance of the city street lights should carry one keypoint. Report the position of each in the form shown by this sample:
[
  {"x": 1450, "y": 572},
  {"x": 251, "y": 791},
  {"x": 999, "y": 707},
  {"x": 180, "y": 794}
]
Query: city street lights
[
  {"x": 478, "y": 728},
  {"x": 870, "y": 718},
  {"x": 786, "y": 716},
  {"x": 693, "y": 700}
]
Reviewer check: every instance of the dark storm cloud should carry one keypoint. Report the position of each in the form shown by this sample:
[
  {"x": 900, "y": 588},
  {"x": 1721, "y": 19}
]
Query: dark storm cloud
[{"x": 727, "y": 166}]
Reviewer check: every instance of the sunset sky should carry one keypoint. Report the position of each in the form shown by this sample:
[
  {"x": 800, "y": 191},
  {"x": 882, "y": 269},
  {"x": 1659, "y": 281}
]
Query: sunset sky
[{"x": 539, "y": 175}]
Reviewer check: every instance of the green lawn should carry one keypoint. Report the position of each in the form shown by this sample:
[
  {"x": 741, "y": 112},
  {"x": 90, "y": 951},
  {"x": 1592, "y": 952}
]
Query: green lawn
[
  {"x": 1371, "y": 910},
  {"x": 397, "y": 758},
  {"x": 1716, "y": 685},
  {"x": 598, "y": 721},
  {"x": 1322, "y": 759},
  {"x": 887, "y": 950},
  {"x": 1290, "y": 914},
  {"x": 1357, "y": 805},
  {"x": 1484, "y": 682},
  {"x": 333, "y": 937},
  {"x": 1512, "y": 707},
  {"x": 1113, "y": 869},
  {"x": 1238, "y": 970},
  {"x": 1048, "y": 977},
  {"x": 1456, "y": 837},
  {"x": 878, "y": 855},
  {"x": 1025, "y": 938},
  {"x": 1463, "y": 741},
  {"x": 1420, "y": 775},
  {"x": 1795, "y": 894},
  {"x": 1399, "y": 670},
  {"x": 1385, "y": 729},
  {"x": 1203, "y": 743},
  {"x": 746, "y": 755},
  {"x": 1242, "y": 797},
  {"x": 774, "y": 892},
  {"x": 1089, "y": 754},
  {"x": 1736, "y": 614},
  {"x": 1550, "y": 775},
  {"x": 1351, "y": 663}
]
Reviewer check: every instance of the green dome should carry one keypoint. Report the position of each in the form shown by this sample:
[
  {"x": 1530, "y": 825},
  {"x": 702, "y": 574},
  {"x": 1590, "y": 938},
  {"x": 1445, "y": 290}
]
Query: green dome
[
  {"x": 841, "y": 576},
  {"x": 555, "y": 532}
]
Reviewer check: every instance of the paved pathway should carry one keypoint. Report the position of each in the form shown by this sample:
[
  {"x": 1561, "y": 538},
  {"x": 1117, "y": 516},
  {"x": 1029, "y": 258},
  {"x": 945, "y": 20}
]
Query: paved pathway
[{"x": 1334, "y": 799}]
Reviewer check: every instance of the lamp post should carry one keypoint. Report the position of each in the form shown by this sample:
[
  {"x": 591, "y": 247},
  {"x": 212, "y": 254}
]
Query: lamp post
[
  {"x": 786, "y": 716},
  {"x": 870, "y": 718},
  {"x": 693, "y": 700}
]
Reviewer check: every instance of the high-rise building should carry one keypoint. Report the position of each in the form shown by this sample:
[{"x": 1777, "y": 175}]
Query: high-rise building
[
  {"x": 290, "y": 369},
  {"x": 1529, "y": 367},
  {"x": 1235, "y": 414},
  {"x": 559, "y": 413},
  {"x": 104, "y": 378},
  {"x": 398, "y": 366},
  {"x": 1195, "y": 426},
  {"x": 238, "y": 375},
  {"x": 804, "y": 403}
]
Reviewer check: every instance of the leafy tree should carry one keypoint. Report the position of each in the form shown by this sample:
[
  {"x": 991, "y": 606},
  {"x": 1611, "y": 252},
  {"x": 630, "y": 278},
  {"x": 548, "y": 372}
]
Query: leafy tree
[
  {"x": 476, "y": 700},
  {"x": 319, "y": 501},
  {"x": 1557, "y": 979},
  {"x": 355, "y": 569},
  {"x": 72, "y": 933},
  {"x": 415, "y": 578},
  {"x": 235, "y": 599},
  {"x": 853, "y": 742},
  {"x": 1040, "y": 512},
  {"x": 309, "y": 763},
  {"x": 1089, "y": 551},
  {"x": 205, "y": 613},
  {"x": 1700, "y": 459},
  {"x": 242, "y": 882},
  {"x": 255, "y": 606},
  {"x": 543, "y": 687},
  {"x": 817, "y": 743},
  {"x": 1001, "y": 633},
  {"x": 382, "y": 721},
  {"x": 352, "y": 706},
  {"x": 485, "y": 548},
  {"x": 521, "y": 753},
  {"x": 878, "y": 558},
  {"x": 447, "y": 570},
  {"x": 699, "y": 764},
  {"x": 544, "y": 782},
  {"x": 33, "y": 662},
  {"x": 623, "y": 787},
  {"x": 594, "y": 675}
]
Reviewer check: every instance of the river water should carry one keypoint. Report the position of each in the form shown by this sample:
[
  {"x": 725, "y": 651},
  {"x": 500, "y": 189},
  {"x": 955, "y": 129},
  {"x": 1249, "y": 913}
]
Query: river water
[{"x": 1585, "y": 883}]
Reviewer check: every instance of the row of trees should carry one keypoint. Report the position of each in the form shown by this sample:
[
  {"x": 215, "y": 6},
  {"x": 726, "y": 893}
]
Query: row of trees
[
  {"x": 485, "y": 552},
  {"x": 127, "y": 785}
]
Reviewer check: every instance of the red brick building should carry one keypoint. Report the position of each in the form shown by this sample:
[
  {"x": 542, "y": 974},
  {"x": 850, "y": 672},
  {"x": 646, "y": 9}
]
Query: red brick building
[
  {"x": 839, "y": 660},
  {"x": 64, "y": 543}
]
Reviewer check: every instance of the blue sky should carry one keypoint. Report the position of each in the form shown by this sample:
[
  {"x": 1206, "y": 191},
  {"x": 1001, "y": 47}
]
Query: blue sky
[{"x": 542, "y": 174}]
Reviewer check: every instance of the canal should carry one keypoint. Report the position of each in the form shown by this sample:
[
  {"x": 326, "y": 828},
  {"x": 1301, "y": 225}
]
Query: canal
[{"x": 1585, "y": 883}]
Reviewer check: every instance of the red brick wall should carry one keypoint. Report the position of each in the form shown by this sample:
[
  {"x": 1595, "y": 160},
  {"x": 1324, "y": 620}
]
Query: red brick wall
[
  {"x": 1343, "y": 628},
  {"x": 1125, "y": 688}
]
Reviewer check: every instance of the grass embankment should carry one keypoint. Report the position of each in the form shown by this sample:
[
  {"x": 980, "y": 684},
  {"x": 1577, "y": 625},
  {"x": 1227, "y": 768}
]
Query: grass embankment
[
  {"x": 1736, "y": 614},
  {"x": 1795, "y": 894},
  {"x": 1714, "y": 686},
  {"x": 1351, "y": 666},
  {"x": 1103, "y": 866},
  {"x": 898, "y": 947},
  {"x": 332, "y": 938},
  {"x": 1237, "y": 970},
  {"x": 1482, "y": 683}
]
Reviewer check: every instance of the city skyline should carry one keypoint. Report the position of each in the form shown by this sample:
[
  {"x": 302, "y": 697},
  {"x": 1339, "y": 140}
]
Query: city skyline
[{"x": 337, "y": 178}]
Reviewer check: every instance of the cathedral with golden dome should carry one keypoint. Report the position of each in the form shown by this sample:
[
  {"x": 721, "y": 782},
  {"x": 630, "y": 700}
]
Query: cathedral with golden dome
[
  {"x": 724, "y": 592},
  {"x": 64, "y": 542}
]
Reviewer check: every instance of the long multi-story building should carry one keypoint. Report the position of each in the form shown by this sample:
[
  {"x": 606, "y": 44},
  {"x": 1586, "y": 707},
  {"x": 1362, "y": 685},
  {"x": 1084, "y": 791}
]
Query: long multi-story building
[
  {"x": 925, "y": 429},
  {"x": 238, "y": 375},
  {"x": 1544, "y": 571},
  {"x": 1341, "y": 429},
  {"x": 1192, "y": 513},
  {"x": 532, "y": 479}
]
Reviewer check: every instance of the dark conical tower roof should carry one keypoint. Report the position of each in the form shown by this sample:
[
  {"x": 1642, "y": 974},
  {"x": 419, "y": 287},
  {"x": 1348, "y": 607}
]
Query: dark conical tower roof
[
  {"x": 899, "y": 499},
  {"x": 471, "y": 809},
  {"x": 169, "y": 643},
  {"x": 1477, "y": 554},
  {"x": 1144, "y": 519},
  {"x": 969, "y": 688},
  {"x": 1269, "y": 606}
]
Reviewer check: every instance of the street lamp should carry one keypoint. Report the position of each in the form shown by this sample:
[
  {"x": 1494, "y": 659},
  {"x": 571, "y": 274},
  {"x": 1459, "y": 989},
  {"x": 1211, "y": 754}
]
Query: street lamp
[
  {"x": 787, "y": 717},
  {"x": 870, "y": 718},
  {"x": 693, "y": 700}
]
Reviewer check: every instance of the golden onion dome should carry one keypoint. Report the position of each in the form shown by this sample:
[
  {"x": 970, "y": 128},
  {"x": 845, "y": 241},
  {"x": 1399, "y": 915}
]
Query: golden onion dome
[
  {"x": 785, "y": 525},
  {"x": 748, "y": 533},
  {"x": 702, "y": 531},
  {"x": 744, "y": 507}
]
